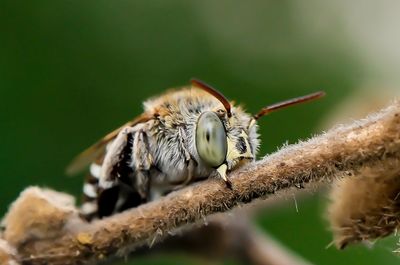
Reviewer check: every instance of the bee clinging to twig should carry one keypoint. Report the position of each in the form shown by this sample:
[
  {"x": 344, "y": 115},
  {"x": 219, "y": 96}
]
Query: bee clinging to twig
[{"x": 182, "y": 136}]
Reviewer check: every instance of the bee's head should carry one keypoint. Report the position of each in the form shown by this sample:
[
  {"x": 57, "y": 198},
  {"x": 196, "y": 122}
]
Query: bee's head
[
  {"x": 223, "y": 142},
  {"x": 224, "y": 138}
]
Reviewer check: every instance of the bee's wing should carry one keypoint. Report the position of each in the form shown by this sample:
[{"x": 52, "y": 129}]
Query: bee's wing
[{"x": 96, "y": 150}]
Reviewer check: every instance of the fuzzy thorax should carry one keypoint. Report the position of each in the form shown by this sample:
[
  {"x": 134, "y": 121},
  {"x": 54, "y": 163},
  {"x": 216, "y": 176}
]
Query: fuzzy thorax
[{"x": 180, "y": 110}]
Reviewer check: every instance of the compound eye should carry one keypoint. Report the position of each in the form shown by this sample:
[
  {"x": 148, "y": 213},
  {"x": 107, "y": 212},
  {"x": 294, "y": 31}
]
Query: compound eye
[{"x": 211, "y": 141}]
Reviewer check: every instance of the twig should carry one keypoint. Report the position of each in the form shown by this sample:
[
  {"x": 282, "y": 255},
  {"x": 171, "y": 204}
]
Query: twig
[
  {"x": 227, "y": 237},
  {"x": 336, "y": 153},
  {"x": 263, "y": 250}
]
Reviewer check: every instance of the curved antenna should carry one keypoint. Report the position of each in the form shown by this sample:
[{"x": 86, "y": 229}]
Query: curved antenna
[
  {"x": 277, "y": 106},
  {"x": 218, "y": 95}
]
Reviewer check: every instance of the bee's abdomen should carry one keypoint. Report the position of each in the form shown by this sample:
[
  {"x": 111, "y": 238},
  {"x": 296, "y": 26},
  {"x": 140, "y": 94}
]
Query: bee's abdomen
[
  {"x": 89, "y": 208},
  {"x": 121, "y": 178},
  {"x": 98, "y": 202}
]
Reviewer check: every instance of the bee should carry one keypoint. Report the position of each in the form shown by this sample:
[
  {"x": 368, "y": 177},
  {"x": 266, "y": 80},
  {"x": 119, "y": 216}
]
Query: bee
[{"x": 182, "y": 136}]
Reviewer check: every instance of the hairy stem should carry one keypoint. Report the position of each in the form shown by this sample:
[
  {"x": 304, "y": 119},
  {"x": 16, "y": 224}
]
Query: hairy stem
[{"x": 337, "y": 153}]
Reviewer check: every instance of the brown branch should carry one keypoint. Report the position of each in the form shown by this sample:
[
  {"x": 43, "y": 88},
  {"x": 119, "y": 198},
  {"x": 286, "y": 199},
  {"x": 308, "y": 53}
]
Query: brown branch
[
  {"x": 336, "y": 153},
  {"x": 227, "y": 237}
]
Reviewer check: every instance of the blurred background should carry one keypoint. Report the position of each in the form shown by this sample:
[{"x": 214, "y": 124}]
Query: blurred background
[{"x": 71, "y": 71}]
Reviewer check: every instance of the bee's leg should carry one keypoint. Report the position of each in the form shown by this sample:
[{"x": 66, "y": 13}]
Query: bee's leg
[
  {"x": 183, "y": 143},
  {"x": 114, "y": 171},
  {"x": 191, "y": 164},
  {"x": 141, "y": 163},
  {"x": 116, "y": 159},
  {"x": 222, "y": 173},
  {"x": 107, "y": 200}
]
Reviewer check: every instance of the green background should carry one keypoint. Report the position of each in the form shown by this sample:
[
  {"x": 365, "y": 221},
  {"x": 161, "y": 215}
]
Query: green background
[{"x": 70, "y": 71}]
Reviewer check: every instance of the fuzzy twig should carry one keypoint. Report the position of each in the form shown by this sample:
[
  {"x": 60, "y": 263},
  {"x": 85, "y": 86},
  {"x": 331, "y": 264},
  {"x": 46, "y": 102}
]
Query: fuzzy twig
[
  {"x": 233, "y": 237},
  {"x": 338, "y": 152}
]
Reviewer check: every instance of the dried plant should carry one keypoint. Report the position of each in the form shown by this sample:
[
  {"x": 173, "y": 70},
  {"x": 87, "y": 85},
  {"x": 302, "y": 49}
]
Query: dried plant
[
  {"x": 366, "y": 206},
  {"x": 8, "y": 254}
]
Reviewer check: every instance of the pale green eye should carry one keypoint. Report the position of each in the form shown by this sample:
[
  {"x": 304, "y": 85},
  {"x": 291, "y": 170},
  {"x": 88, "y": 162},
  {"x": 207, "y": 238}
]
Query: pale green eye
[{"x": 211, "y": 142}]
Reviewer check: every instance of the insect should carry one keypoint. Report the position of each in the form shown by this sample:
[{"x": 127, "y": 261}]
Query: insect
[{"x": 182, "y": 136}]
